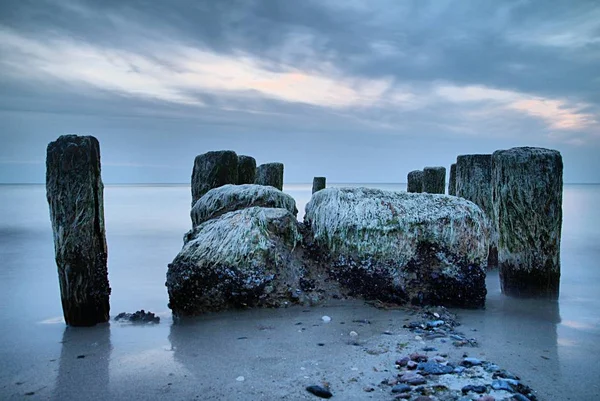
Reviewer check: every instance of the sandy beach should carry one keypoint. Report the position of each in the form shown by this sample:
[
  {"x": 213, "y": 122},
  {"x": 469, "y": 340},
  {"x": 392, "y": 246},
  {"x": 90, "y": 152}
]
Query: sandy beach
[{"x": 262, "y": 354}]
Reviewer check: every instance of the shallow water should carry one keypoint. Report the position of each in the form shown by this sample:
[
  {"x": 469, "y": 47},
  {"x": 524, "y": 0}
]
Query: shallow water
[{"x": 145, "y": 226}]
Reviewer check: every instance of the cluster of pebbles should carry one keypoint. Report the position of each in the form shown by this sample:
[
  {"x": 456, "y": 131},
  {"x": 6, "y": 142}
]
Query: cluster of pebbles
[{"x": 432, "y": 378}]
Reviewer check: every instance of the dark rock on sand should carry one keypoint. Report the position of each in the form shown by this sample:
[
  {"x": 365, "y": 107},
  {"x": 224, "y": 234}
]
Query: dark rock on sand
[
  {"x": 474, "y": 388},
  {"x": 74, "y": 191},
  {"x": 398, "y": 247},
  {"x": 401, "y": 388},
  {"x": 140, "y": 316},
  {"x": 228, "y": 198},
  {"x": 433, "y": 368},
  {"x": 319, "y": 391}
]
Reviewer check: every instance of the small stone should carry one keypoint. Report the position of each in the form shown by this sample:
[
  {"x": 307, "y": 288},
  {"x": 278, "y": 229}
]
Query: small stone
[
  {"x": 353, "y": 334},
  {"x": 403, "y": 361},
  {"x": 418, "y": 338},
  {"x": 474, "y": 388},
  {"x": 418, "y": 357},
  {"x": 487, "y": 398},
  {"x": 439, "y": 359},
  {"x": 459, "y": 369},
  {"x": 505, "y": 385},
  {"x": 321, "y": 344},
  {"x": 240, "y": 378},
  {"x": 411, "y": 365},
  {"x": 468, "y": 362},
  {"x": 432, "y": 368},
  {"x": 412, "y": 378},
  {"x": 319, "y": 391},
  {"x": 80, "y": 356},
  {"x": 400, "y": 388},
  {"x": 326, "y": 319},
  {"x": 423, "y": 398},
  {"x": 429, "y": 349},
  {"x": 435, "y": 323}
]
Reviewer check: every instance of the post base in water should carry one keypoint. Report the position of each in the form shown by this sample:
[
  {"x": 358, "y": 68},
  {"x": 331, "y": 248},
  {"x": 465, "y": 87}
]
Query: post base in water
[{"x": 528, "y": 284}]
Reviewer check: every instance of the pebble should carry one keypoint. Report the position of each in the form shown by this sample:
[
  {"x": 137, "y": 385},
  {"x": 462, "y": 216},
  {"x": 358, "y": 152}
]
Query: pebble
[
  {"x": 428, "y": 349},
  {"x": 503, "y": 373},
  {"x": 474, "y": 388},
  {"x": 368, "y": 389},
  {"x": 423, "y": 398},
  {"x": 412, "y": 365},
  {"x": 506, "y": 385},
  {"x": 435, "y": 323},
  {"x": 326, "y": 319},
  {"x": 319, "y": 391},
  {"x": 439, "y": 359},
  {"x": 402, "y": 361},
  {"x": 400, "y": 388},
  {"x": 487, "y": 398},
  {"x": 412, "y": 378},
  {"x": 418, "y": 357},
  {"x": 433, "y": 368},
  {"x": 240, "y": 378},
  {"x": 468, "y": 362}
]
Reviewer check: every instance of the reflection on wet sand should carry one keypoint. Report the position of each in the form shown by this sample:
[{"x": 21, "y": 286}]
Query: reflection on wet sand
[
  {"x": 520, "y": 334},
  {"x": 83, "y": 371}
]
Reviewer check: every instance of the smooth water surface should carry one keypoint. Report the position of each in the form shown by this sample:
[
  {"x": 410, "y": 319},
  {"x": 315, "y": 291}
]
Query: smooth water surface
[{"x": 145, "y": 227}]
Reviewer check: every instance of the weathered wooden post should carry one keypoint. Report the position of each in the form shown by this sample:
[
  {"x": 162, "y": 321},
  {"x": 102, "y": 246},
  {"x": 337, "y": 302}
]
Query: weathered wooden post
[
  {"x": 415, "y": 181},
  {"x": 74, "y": 191},
  {"x": 452, "y": 180},
  {"x": 434, "y": 180},
  {"x": 318, "y": 184},
  {"x": 213, "y": 170},
  {"x": 527, "y": 198},
  {"x": 474, "y": 183},
  {"x": 270, "y": 174},
  {"x": 246, "y": 170}
]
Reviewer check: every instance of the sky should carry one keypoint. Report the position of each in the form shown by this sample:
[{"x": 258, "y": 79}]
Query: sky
[{"x": 354, "y": 90}]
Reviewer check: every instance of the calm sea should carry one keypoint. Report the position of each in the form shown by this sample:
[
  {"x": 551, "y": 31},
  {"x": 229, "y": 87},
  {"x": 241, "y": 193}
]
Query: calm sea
[{"x": 144, "y": 229}]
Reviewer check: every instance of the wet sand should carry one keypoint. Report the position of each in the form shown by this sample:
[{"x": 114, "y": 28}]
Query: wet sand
[{"x": 278, "y": 352}]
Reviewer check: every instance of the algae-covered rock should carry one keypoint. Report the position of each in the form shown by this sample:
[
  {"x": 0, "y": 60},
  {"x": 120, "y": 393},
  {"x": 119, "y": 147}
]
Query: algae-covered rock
[
  {"x": 229, "y": 198},
  {"x": 270, "y": 174},
  {"x": 212, "y": 170},
  {"x": 434, "y": 180},
  {"x": 474, "y": 183},
  {"x": 415, "y": 181},
  {"x": 452, "y": 180},
  {"x": 319, "y": 183},
  {"x": 243, "y": 258},
  {"x": 399, "y": 246},
  {"x": 246, "y": 170},
  {"x": 74, "y": 191},
  {"x": 527, "y": 201}
]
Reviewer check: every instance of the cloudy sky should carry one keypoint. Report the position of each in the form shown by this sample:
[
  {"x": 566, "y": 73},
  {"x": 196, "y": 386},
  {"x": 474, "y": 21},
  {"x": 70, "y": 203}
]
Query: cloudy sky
[{"x": 356, "y": 90}]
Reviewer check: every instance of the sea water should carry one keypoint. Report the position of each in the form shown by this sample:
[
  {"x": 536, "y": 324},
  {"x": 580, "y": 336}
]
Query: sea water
[{"x": 144, "y": 230}]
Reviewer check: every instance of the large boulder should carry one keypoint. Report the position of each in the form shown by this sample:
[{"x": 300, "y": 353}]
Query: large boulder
[
  {"x": 399, "y": 246},
  {"x": 243, "y": 258},
  {"x": 228, "y": 198}
]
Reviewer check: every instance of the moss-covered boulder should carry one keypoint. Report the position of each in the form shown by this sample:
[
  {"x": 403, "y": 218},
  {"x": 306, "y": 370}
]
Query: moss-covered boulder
[
  {"x": 399, "y": 246},
  {"x": 242, "y": 258},
  {"x": 228, "y": 198}
]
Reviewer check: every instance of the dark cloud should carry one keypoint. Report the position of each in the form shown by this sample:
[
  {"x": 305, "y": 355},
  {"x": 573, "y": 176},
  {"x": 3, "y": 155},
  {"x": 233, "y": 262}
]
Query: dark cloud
[{"x": 473, "y": 72}]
